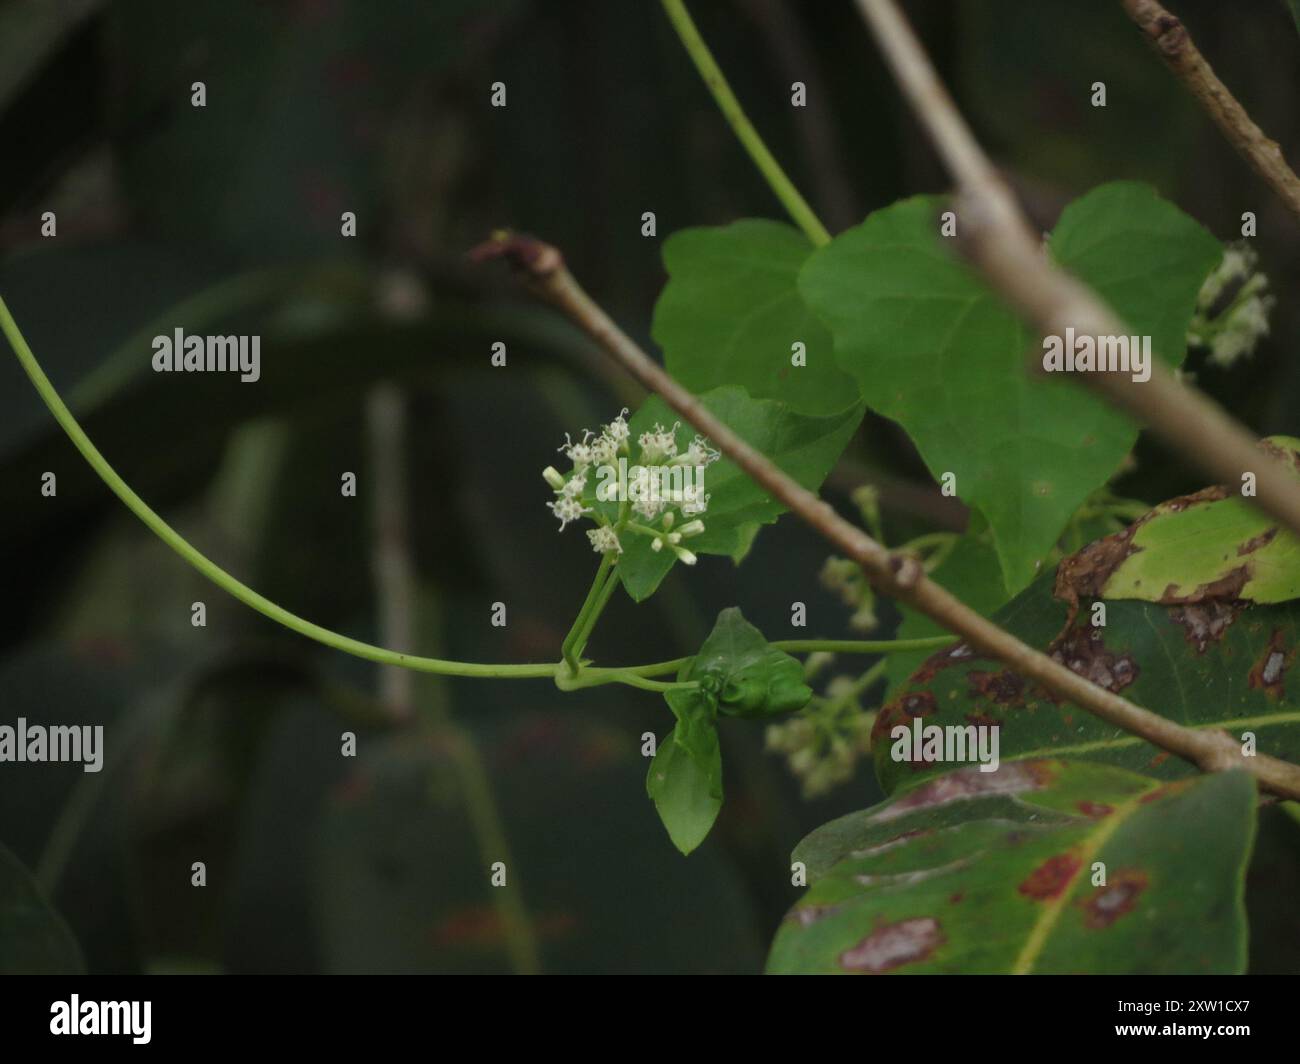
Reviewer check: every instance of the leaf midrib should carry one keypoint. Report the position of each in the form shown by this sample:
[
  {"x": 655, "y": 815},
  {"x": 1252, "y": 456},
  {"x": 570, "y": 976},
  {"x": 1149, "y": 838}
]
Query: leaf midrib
[{"x": 1051, "y": 913}]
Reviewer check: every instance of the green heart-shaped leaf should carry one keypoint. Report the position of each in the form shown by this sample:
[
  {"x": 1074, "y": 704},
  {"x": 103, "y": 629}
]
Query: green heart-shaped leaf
[{"x": 938, "y": 352}]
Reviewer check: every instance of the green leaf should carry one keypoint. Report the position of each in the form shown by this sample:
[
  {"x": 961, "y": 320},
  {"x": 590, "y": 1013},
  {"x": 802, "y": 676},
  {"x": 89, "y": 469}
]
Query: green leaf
[
  {"x": 1212, "y": 545},
  {"x": 687, "y": 790},
  {"x": 740, "y": 674},
  {"x": 939, "y": 353},
  {"x": 696, "y": 711},
  {"x": 940, "y": 879},
  {"x": 1204, "y": 665},
  {"x": 34, "y": 940},
  {"x": 970, "y": 571},
  {"x": 750, "y": 677},
  {"x": 732, "y": 311},
  {"x": 805, "y": 446}
]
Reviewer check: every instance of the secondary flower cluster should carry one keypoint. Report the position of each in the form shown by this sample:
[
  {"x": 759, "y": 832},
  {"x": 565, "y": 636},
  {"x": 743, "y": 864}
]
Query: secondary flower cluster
[
  {"x": 1232, "y": 308},
  {"x": 664, "y": 490},
  {"x": 823, "y": 743}
]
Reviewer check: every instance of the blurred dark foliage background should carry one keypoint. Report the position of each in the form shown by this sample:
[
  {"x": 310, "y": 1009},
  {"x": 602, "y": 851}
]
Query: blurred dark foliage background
[{"x": 224, "y": 741}]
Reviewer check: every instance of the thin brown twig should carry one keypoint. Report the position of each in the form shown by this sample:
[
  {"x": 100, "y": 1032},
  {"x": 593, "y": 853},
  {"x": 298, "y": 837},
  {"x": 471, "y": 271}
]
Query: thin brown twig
[
  {"x": 1171, "y": 41},
  {"x": 900, "y": 575},
  {"x": 999, "y": 240}
]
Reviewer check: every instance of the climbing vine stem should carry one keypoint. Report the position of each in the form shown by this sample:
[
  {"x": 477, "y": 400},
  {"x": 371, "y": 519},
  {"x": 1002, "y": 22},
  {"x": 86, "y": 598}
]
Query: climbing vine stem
[
  {"x": 796, "y": 206},
  {"x": 570, "y": 675}
]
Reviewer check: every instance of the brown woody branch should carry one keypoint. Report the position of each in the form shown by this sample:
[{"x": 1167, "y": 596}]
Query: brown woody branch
[
  {"x": 999, "y": 240},
  {"x": 542, "y": 268},
  {"x": 1172, "y": 42}
]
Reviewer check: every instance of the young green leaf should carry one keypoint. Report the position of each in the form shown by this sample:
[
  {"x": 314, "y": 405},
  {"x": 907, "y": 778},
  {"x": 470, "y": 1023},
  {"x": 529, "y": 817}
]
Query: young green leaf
[
  {"x": 1094, "y": 870},
  {"x": 803, "y": 445},
  {"x": 731, "y": 313},
  {"x": 937, "y": 351},
  {"x": 750, "y": 677},
  {"x": 1216, "y": 664},
  {"x": 685, "y": 782}
]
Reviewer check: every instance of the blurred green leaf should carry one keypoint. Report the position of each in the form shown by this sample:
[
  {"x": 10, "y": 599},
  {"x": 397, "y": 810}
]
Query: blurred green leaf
[
  {"x": 34, "y": 940},
  {"x": 935, "y": 350}
]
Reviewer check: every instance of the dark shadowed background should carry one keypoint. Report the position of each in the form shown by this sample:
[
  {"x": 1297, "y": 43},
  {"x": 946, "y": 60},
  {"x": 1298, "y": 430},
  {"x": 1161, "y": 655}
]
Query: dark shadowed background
[{"x": 224, "y": 741}]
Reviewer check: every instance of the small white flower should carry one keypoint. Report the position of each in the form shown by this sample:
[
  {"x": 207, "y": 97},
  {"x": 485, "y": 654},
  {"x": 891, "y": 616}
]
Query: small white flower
[
  {"x": 567, "y": 509},
  {"x": 553, "y": 477},
  {"x": 692, "y": 528},
  {"x": 694, "y": 501},
  {"x": 617, "y": 429},
  {"x": 684, "y": 555},
  {"x": 603, "y": 450},
  {"x": 648, "y": 507},
  {"x": 699, "y": 453},
  {"x": 604, "y": 540},
  {"x": 574, "y": 487},
  {"x": 658, "y": 444}
]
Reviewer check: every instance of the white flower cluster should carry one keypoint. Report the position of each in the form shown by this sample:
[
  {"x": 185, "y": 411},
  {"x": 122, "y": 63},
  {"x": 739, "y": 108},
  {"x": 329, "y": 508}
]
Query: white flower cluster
[
  {"x": 660, "y": 487},
  {"x": 1232, "y": 308}
]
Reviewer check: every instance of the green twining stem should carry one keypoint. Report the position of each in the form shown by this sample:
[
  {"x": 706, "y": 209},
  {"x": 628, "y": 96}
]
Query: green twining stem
[
  {"x": 809, "y": 646},
  {"x": 569, "y": 674},
  {"x": 604, "y": 574},
  {"x": 209, "y": 568},
  {"x": 796, "y": 206}
]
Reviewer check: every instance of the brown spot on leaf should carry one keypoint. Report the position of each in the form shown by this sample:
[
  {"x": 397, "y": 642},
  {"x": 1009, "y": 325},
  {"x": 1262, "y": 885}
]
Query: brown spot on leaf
[
  {"x": 1228, "y": 586},
  {"x": 900, "y": 711},
  {"x": 894, "y": 945},
  {"x": 942, "y": 659},
  {"x": 1096, "y": 810},
  {"x": 1005, "y": 688},
  {"x": 1255, "y": 542},
  {"x": 1268, "y": 674},
  {"x": 1083, "y": 651},
  {"x": 920, "y": 704},
  {"x": 1050, "y": 878},
  {"x": 1084, "y": 573},
  {"x": 1204, "y": 623},
  {"x": 1112, "y": 901},
  {"x": 1281, "y": 453}
]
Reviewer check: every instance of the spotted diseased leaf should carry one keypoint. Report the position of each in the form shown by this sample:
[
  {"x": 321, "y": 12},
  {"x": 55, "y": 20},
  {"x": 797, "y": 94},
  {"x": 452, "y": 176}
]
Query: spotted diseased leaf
[
  {"x": 1000, "y": 873},
  {"x": 1211, "y": 546},
  {"x": 803, "y": 445},
  {"x": 938, "y": 352},
  {"x": 685, "y": 782},
  {"x": 749, "y": 676},
  {"x": 731, "y": 314},
  {"x": 34, "y": 940},
  {"x": 970, "y": 571},
  {"x": 1215, "y": 664}
]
